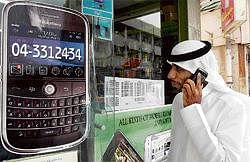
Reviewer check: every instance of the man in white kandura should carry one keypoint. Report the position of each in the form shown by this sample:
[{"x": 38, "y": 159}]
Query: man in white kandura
[{"x": 209, "y": 120}]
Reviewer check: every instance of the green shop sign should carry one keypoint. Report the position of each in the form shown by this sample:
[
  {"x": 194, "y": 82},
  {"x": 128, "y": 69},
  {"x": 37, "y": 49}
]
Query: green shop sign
[{"x": 125, "y": 132}]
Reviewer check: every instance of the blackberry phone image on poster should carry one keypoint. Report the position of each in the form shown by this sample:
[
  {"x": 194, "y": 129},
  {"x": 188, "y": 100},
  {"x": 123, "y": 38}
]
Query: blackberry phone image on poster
[
  {"x": 44, "y": 78},
  {"x": 157, "y": 147},
  {"x": 119, "y": 149}
]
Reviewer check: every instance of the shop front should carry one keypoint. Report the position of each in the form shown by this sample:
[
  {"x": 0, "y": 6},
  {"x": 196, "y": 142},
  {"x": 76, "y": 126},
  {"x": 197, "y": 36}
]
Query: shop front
[{"x": 86, "y": 80}]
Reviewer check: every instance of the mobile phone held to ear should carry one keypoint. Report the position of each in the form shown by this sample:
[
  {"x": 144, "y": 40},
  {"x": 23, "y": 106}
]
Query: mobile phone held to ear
[{"x": 203, "y": 76}]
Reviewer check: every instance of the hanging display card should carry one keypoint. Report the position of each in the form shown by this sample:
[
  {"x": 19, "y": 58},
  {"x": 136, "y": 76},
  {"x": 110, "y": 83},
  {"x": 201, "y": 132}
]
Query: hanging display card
[{"x": 99, "y": 8}]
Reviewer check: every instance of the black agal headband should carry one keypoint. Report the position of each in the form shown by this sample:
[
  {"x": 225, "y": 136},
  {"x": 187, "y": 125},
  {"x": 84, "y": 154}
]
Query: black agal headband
[{"x": 191, "y": 55}]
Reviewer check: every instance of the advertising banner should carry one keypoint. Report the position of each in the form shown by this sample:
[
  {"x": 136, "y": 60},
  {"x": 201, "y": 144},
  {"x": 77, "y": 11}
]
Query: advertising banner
[
  {"x": 227, "y": 12},
  {"x": 233, "y": 14},
  {"x": 45, "y": 82},
  {"x": 141, "y": 135}
]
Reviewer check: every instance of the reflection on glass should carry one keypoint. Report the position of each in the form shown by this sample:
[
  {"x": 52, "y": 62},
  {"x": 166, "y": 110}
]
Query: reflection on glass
[{"x": 139, "y": 48}]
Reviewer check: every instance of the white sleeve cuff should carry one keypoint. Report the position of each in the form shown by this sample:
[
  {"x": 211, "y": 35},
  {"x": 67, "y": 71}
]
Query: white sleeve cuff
[{"x": 193, "y": 116}]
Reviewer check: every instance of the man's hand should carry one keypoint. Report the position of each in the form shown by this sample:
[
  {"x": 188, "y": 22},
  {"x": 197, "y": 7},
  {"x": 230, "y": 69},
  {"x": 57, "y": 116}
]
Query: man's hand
[{"x": 192, "y": 93}]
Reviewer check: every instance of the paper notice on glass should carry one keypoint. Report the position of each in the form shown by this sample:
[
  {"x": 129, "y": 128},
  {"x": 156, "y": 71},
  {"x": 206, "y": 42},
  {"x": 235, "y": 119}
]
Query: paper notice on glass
[
  {"x": 127, "y": 93},
  {"x": 58, "y": 157}
]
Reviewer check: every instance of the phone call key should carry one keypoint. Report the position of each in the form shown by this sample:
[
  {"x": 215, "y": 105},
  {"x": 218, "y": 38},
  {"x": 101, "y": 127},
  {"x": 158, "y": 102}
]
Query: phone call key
[{"x": 15, "y": 90}]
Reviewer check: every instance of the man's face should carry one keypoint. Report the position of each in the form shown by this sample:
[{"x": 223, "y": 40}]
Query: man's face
[{"x": 178, "y": 76}]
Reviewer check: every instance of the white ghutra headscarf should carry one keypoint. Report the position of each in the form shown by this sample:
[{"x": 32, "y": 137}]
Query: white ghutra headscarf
[{"x": 193, "y": 54}]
